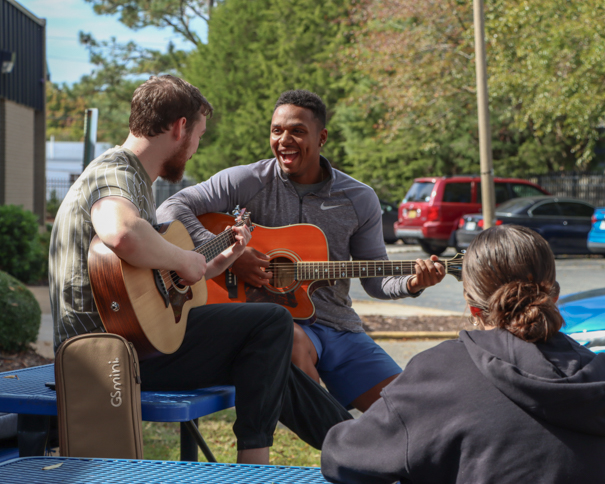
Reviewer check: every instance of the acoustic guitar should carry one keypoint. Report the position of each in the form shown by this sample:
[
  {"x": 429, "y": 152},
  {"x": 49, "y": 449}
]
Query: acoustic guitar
[
  {"x": 299, "y": 261},
  {"x": 149, "y": 307}
]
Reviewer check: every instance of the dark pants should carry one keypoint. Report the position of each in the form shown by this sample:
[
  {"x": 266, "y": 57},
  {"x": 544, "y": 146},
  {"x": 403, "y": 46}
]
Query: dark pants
[{"x": 248, "y": 346}]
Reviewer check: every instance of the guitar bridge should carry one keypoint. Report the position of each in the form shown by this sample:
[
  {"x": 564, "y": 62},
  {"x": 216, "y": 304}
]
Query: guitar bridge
[
  {"x": 161, "y": 286},
  {"x": 231, "y": 284}
]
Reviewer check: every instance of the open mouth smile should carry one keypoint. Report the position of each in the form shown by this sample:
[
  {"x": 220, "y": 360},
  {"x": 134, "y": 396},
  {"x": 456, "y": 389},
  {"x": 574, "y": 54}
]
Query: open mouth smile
[{"x": 288, "y": 156}]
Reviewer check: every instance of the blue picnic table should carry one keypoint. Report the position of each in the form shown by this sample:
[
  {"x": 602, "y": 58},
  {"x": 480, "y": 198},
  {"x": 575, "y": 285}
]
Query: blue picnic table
[
  {"x": 72, "y": 470},
  {"x": 24, "y": 392}
]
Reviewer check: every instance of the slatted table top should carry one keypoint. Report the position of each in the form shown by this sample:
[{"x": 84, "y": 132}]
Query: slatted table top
[
  {"x": 29, "y": 470},
  {"x": 23, "y": 391}
]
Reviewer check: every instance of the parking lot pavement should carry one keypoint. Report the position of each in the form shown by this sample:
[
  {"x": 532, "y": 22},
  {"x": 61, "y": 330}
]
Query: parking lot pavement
[{"x": 403, "y": 351}]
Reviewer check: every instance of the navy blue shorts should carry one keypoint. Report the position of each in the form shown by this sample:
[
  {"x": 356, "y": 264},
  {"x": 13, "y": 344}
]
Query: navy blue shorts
[{"x": 349, "y": 364}]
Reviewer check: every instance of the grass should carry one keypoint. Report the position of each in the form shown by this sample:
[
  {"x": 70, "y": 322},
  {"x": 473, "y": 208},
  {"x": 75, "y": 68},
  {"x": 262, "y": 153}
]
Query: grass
[{"x": 161, "y": 441}]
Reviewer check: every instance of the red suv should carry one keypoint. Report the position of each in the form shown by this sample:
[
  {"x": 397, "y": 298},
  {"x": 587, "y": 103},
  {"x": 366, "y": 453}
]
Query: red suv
[{"x": 430, "y": 211}]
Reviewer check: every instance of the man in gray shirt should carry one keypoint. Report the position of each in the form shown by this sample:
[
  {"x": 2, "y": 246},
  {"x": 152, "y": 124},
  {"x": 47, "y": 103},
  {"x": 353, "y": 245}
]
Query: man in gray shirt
[{"x": 300, "y": 186}]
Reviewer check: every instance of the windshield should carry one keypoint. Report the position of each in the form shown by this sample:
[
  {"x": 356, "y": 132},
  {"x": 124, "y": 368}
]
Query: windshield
[
  {"x": 514, "y": 205},
  {"x": 420, "y": 192}
]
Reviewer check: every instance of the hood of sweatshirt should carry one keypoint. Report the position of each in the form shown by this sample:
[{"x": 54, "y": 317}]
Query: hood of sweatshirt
[{"x": 558, "y": 381}]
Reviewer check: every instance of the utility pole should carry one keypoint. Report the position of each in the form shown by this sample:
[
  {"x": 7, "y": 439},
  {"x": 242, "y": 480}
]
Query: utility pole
[
  {"x": 90, "y": 135},
  {"x": 488, "y": 199}
]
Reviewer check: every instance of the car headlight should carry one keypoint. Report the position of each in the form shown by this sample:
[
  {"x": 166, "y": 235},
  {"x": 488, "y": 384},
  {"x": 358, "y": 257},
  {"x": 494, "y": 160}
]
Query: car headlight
[{"x": 594, "y": 340}]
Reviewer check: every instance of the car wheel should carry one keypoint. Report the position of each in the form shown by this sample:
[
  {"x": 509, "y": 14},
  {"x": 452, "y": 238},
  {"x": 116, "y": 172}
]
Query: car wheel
[{"x": 431, "y": 249}]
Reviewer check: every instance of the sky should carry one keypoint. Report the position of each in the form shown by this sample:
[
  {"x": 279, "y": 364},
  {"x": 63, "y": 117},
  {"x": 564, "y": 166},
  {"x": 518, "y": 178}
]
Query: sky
[{"x": 67, "y": 59}]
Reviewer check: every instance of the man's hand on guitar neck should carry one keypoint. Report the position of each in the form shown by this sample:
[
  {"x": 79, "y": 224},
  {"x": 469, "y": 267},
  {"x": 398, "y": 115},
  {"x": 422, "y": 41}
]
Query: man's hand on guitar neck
[
  {"x": 428, "y": 273},
  {"x": 251, "y": 268},
  {"x": 221, "y": 262}
]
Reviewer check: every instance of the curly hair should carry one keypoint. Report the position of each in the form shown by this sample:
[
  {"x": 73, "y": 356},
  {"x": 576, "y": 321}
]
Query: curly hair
[
  {"x": 305, "y": 99},
  {"x": 509, "y": 274},
  {"x": 162, "y": 100}
]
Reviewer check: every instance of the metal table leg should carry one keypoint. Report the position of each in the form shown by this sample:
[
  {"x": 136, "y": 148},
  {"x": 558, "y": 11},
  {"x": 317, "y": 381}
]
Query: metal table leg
[{"x": 191, "y": 440}]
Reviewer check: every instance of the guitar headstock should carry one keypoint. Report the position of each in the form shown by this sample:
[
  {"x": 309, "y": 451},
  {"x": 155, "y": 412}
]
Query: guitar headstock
[
  {"x": 242, "y": 217},
  {"x": 453, "y": 266}
]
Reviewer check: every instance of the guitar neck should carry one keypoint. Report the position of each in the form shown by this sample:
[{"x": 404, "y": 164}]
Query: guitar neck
[
  {"x": 217, "y": 245},
  {"x": 353, "y": 269},
  {"x": 316, "y": 271}
]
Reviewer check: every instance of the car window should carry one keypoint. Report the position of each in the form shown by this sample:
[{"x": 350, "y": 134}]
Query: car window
[
  {"x": 514, "y": 205},
  {"x": 501, "y": 193},
  {"x": 419, "y": 192},
  {"x": 457, "y": 192},
  {"x": 522, "y": 190},
  {"x": 550, "y": 208},
  {"x": 571, "y": 209},
  {"x": 386, "y": 207}
]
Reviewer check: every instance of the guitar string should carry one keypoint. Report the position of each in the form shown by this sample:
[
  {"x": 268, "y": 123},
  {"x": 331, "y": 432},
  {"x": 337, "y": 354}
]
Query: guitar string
[
  {"x": 216, "y": 246},
  {"x": 210, "y": 250}
]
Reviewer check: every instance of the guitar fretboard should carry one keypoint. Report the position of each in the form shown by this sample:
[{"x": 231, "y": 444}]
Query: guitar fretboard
[
  {"x": 217, "y": 245},
  {"x": 353, "y": 269}
]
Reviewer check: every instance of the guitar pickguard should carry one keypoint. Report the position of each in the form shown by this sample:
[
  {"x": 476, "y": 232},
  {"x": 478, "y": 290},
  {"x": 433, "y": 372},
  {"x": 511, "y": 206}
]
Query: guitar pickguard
[{"x": 178, "y": 300}]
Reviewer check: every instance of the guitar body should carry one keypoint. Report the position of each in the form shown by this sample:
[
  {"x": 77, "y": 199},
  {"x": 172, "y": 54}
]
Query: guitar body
[
  {"x": 130, "y": 300},
  {"x": 298, "y": 243}
]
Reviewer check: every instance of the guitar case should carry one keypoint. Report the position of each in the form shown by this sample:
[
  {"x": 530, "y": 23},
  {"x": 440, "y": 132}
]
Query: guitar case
[{"x": 98, "y": 388}]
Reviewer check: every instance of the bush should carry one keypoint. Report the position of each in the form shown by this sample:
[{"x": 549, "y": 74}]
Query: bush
[
  {"x": 20, "y": 314},
  {"x": 53, "y": 204},
  {"x": 21, "y": 253}
]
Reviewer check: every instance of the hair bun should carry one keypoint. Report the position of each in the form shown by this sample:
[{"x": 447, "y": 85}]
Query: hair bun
[{"x": 526, "y": 309}]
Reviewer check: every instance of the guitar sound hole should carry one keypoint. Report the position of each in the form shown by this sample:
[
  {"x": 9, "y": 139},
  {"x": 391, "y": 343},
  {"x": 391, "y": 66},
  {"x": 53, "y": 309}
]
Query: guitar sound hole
[
  {"x": 175, "y": 280},
  {"x": 283, "y": 272}
]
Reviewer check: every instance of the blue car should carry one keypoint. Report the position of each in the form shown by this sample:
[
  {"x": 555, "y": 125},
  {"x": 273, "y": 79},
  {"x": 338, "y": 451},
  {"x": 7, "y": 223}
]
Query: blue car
[
  {"x": 584, "y": 315},
  {"x": 564, "y": 222},
  {"x": 596, "y": 236}
]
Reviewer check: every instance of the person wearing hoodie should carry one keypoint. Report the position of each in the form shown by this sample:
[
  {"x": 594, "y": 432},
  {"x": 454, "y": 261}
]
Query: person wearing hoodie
[{"x": 515, "y": 401}]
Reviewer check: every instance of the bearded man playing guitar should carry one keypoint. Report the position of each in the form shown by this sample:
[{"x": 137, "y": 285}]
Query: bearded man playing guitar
[
  {"x": 249, "y": 347},
  {"x": 299, "y": 186}
]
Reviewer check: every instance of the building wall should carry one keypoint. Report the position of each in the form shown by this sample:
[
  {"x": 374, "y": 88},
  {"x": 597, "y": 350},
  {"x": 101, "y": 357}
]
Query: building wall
[
  {"x": 22, "y": 109},
  {"x": 18, "y": 155}
]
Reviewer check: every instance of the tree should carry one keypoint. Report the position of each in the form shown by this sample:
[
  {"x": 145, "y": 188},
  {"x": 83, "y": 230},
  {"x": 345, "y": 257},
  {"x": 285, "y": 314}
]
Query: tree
[
  {"x": 119, "y": 69},
  {"x": 255, "y": 51},
  {"x": 416, "y": 60},
  {"x": 175, "y": 14}
]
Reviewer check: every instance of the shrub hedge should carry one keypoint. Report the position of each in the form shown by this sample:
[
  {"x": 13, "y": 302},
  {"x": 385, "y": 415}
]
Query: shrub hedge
[
  {"x": 20, "y": 314},
  {"x": 23, "y": 253}
]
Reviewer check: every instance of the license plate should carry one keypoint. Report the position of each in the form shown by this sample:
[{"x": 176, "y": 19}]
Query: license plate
[
  {"x": 411, "y": 213},
  {"x": 471, "y": 225},
  {"x": 602, "y": 226}
]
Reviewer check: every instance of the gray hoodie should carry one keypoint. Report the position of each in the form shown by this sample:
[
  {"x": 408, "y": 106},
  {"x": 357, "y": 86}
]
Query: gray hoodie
[{"x": 487, "y": 408}]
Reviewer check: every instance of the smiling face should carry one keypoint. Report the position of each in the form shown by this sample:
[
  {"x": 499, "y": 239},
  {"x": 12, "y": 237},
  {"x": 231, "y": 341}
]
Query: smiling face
[{"x": 296, "y": 140}]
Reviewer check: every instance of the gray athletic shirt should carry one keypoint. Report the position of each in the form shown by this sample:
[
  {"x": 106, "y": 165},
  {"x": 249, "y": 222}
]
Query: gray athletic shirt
[{"x": 345, "y": 209}]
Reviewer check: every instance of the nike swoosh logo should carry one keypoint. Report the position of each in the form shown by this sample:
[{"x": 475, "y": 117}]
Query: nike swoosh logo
[{"x": 328, "y": 207}]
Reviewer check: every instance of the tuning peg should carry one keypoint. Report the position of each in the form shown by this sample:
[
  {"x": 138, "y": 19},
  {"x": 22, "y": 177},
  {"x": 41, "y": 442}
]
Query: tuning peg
[{"x": 236, "y": 211}]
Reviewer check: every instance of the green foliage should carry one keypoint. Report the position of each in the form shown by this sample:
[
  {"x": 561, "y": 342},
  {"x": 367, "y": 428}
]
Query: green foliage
[
  {"x": 417, "y": 93},
  {"x": 20, "y": 314},
  {"x": 546, "y": 58},
  {"x": 21, "y": 253},
  {"x": 120, "y": 68},
  {"x": 161, "y": 442},
  {"x": 52, "y": 204},
  {"x": 176, "y": 15},
  {"x": 255, "y": 51}
]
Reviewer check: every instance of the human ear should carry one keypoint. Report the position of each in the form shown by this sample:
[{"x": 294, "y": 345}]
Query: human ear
[{"x": 178, "y": 128}]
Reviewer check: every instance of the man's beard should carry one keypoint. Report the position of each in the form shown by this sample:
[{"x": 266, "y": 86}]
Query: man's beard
[{"x": 173, "y": 167}]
